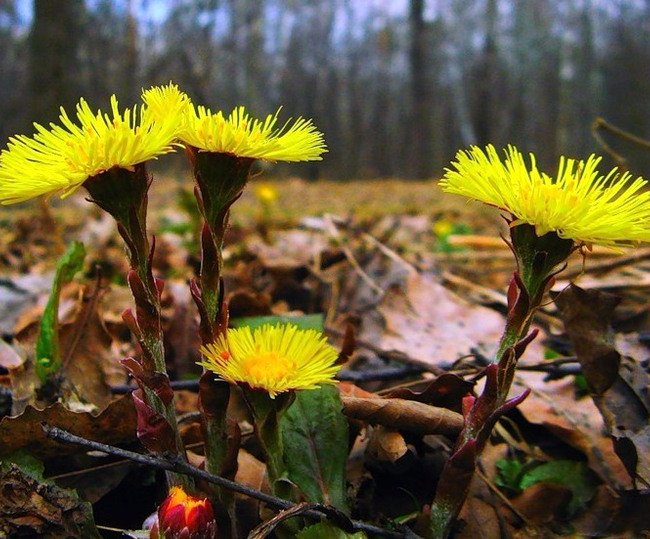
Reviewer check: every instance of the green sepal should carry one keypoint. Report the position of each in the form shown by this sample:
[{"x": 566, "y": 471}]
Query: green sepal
[{"x": 538, "y": 256}]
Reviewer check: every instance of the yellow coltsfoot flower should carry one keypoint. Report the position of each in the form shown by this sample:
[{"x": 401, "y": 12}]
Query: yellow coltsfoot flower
[
  {"x": 160, "y": 100},
  {"x": 273, "y": 358},
  {"x": 61, "y": 158},
  {"x": 578, "y": 203},
  {"x": 243, "y": 136}
]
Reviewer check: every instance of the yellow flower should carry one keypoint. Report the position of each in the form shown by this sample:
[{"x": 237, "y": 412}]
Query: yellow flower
[
  {"x": 160, "y": 100},
  {"x": 61, "y": 158},
  {"x": 579, "y": 203},
  {"x": 243, "y": 136},
  {"x": 266, "y": 193},
  {"x": 273, "y": 358}
]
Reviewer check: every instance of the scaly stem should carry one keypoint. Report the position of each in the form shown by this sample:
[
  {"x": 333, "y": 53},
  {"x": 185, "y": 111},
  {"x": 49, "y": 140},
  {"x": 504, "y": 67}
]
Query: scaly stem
[
  {"x": 220, "y": 179},
  {"x": 123, "y": 194},
  {"x": 537, "y": 257}
]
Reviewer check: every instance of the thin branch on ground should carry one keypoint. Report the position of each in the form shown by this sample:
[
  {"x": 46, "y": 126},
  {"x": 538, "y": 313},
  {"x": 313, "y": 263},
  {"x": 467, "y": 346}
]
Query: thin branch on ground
[
  {"x": 175, "y": 464},
  {"x": 392, "y": 355},
  {"x": 345, "y": 375},
  {"x": 606, "y": 265}
]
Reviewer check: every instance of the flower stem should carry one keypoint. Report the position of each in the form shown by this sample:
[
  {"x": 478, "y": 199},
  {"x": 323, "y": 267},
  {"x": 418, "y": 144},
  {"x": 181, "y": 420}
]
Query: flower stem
[
  {"x": 537, "y": 259},
  {"x": 266, "y": 415},
  {"x": 123, "y": 194},
  {"x": 220, "y": 179}
]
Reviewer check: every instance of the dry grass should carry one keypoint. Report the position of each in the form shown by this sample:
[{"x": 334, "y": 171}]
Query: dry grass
[{"x": 366, "y": 200}]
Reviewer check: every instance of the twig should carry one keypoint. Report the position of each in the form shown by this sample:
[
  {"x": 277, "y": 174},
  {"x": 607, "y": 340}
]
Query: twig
[
  {"x": 175, "y": 464},
  {"x": 335, "y": 234},
  {"x": 600, "y": 123},
  {"x": 605, "y": 265},
  {"x": 554, "y": 372},
  {"x": 393, "y": 355},
  {"x": 495, "y": 490},
  {"x": 344, "y": 375}
]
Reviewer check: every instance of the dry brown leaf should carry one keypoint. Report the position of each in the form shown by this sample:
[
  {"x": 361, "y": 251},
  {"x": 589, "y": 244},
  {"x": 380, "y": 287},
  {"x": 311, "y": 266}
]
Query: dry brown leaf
[
  {"x": 9, "y": 356},
  {"x": 290, "y": 249},
  {"x": 86, "y": 355},
  {"x": 400, "y": 414},
  {"x": 430, "y": 324},
  {"x": 115, "y": 425},
  {"x": 618, "y": 384},
  {"x": 386, "y": 445},
  {"x": 543, "y": 503},
  {"x": 181, "y": 329},
  {"x": 29, "y": 508}
]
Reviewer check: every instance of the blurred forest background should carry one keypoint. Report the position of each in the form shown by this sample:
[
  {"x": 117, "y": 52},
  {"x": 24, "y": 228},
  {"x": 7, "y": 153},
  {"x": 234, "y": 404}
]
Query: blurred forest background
[{"x": 396, "y": 85}]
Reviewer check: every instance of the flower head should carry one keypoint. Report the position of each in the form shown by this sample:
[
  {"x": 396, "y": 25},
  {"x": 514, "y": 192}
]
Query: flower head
[
  {"x": 578, "y": 203},
  {"x": 61, "y": 158},
  {"x": 184, "y": 516},
  {"x": 243, "y": 136},
  {"x": 164, "y": 101},
  {"x": 273, "y": 358}
]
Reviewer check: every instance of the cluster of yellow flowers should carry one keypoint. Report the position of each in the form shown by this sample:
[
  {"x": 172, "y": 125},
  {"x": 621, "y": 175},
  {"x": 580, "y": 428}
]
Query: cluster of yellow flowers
[
  {"x": 578, "y": 203},
  {"x": 61, "y": 158}
]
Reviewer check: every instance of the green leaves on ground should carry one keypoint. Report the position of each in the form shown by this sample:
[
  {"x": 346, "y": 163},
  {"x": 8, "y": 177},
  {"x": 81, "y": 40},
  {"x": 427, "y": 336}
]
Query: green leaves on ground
[
  {"x": 48, "y": 355},
  {"x": 516, "y": 476},
  {"x": 315, "y": 436}
]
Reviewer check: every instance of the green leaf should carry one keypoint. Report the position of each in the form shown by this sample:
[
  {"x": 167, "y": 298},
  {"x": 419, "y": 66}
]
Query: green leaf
[
  {"x": 48, "y": 356},
  {"x": 509, "y": 474},
  {"x": 315, "y": 437},
  {"x": 305, "y": 321},
  {"x": 26, "y": 462},
  {"x": 574, "y": 475},
  {"x": 325, "y": 529}
]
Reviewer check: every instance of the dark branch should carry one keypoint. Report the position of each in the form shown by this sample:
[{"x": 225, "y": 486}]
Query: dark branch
[
  {"x": 174, "y": 464},
  {"x": 374, "y": 375}
]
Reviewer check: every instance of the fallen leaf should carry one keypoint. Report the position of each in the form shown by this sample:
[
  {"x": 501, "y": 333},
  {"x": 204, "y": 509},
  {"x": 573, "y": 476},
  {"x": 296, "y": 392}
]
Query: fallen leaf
[
  {"x": 17, "y": 294},
  {"x": 578, "y": 423},
  {"x": 30, "y": 507},
  {"x": 386, "y": 445},
  {"x": 543, "y": 503},
  {"x": 290, "y": 249},
  {"x": 444, "y": 391},
  {"x": 9, "y": 356},
  {"x": 430, "y": 324},
  {"x": 400, "y": 414},
  {"x": 618, "y": 384},
  {"x": 115, "y": 425},
  {"x": 87, "y": 360}
]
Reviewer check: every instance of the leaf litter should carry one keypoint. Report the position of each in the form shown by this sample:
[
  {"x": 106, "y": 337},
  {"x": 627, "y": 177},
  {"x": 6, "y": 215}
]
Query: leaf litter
[{"x": 414, "y": 297}]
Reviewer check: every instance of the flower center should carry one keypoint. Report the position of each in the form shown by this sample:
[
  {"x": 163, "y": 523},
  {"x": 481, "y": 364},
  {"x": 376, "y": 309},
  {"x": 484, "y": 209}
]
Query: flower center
[{"x": 267, "y": 366}]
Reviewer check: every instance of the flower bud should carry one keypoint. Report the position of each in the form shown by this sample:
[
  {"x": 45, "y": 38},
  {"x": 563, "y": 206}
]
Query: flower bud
[{"x": 181, "y": 516}]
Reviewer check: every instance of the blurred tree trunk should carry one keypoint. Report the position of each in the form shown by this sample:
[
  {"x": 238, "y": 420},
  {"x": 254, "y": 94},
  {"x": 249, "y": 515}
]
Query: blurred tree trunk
[
  {"x": 420, "y": 159},
  {"x": 486, "y": 116},
  {"x": 131, "y": 89},
  {"x": 53, "y": 57}
]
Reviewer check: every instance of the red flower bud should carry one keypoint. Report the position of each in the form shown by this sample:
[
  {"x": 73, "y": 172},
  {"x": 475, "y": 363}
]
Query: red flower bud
[{"x": 181, "y": 516}]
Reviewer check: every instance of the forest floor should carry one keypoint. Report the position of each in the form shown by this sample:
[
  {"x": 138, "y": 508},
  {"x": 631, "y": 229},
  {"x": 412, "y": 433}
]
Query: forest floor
[{"x": 421, "y": 276}]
